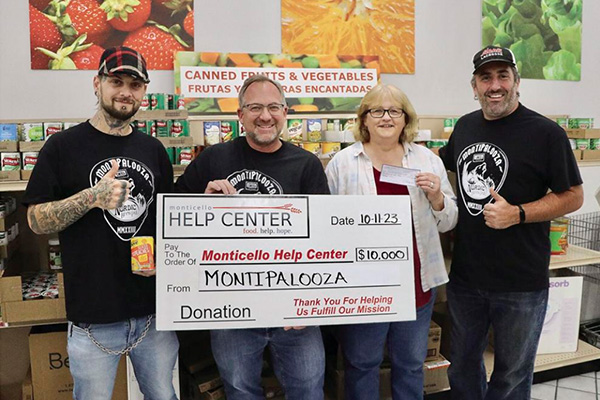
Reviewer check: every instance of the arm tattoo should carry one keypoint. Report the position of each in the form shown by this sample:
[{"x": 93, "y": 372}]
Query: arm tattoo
[{"x": 55, "y": 216}]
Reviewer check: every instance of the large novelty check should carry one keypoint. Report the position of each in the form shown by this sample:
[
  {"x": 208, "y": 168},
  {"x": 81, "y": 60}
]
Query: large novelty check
[{"x": 271, "y": 261}]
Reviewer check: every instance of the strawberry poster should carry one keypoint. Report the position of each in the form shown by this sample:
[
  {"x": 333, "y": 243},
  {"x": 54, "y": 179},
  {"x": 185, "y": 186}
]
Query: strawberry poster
[
  {"x": 210, "y": 82},
  {"x": 72, "y": 34},
  {"x": 382, "y": 27}
]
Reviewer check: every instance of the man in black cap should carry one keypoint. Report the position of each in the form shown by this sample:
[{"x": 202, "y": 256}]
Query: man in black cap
[
  {"x": 515, "y": 172},
  {"x": 95, "y": 184}
]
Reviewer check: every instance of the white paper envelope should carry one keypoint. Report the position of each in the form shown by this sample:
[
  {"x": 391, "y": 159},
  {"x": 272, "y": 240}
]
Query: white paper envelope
[{"x": 399, "y": 175}]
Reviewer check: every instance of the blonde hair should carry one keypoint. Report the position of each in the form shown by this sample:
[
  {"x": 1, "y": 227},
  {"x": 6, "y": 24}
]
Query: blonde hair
[{"x": 374, "y": 98}]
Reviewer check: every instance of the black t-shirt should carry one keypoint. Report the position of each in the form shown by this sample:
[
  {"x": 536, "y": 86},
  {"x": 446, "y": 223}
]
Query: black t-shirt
[
  {"x": 289, "y": 170},
  {"x": 521, "y": 156},
  {"x": 96, "y": 253}
]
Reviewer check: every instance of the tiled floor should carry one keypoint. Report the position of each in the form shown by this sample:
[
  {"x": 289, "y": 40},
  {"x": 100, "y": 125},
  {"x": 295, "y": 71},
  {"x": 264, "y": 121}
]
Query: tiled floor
[{"x": 580, "y": 387}]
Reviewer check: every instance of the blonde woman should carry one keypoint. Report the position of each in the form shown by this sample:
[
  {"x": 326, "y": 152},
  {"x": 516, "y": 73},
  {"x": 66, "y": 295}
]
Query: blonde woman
[{"x": 386, "y": 127}]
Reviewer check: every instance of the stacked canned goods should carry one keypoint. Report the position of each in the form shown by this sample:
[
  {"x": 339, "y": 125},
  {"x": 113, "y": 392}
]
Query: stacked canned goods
[
  {"x": 8, "y": 205},
  {"x": 43, "y": 285}
]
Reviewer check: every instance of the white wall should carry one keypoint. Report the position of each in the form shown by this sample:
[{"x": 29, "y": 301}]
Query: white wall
[{"x": 447, "y": 36}]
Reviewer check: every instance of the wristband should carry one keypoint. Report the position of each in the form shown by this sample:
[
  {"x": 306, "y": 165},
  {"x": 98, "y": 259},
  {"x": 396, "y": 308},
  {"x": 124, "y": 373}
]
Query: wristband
[{"x": 521, "y": 214}]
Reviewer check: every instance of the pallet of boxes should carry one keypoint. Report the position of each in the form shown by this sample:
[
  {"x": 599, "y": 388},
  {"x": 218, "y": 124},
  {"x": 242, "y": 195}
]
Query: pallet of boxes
[
  {"x": 584, "y": 139},
  {"x": 435, "y": 370},
  {"x": 199, "y": 376}
]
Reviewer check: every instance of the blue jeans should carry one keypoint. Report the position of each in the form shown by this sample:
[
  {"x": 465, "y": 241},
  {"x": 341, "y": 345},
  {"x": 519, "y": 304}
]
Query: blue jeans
[
  {"x": 363, "y": 346},
  {"x": 516, "y": 318},
  {"x": 298, "y": 361},
  {"x": 94, "y": 370}
]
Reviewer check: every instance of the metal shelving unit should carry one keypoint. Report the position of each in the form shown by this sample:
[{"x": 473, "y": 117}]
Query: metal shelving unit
[
  {"x": 554, "y": 366},
  {"x": 576, "y": 256}
]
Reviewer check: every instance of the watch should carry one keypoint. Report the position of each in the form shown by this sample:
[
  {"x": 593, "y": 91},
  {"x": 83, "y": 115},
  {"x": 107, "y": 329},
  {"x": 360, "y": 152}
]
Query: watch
[{"x": 521, "y": 214}]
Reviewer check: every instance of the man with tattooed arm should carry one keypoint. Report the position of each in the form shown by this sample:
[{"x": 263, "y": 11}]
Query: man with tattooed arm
[{"x": 96, "y": 184}]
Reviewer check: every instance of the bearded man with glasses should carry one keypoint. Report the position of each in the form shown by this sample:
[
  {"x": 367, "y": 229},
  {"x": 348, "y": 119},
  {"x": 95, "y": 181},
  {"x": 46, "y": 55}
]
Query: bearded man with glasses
[{"x": 261, "y": 163}]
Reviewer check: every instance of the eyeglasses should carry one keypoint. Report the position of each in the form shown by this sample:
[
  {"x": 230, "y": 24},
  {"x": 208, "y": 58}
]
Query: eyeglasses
[
  {"x": 380, "y": 112},
  {"x": 256, "y": 108}
]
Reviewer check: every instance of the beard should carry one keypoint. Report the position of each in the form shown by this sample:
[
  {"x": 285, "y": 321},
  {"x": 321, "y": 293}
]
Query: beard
[
  {"x": 117, "y": 113},
  {"x": 262, "y": 140},
  {"x": 497, "y": 110}
]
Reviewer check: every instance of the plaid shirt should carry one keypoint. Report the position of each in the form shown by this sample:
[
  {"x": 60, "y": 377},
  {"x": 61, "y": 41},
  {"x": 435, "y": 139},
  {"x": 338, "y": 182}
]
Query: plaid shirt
[{"x": 351, "y": 172}]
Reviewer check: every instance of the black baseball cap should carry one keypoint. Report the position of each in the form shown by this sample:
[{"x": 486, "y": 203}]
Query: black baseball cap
[
  {"x": 493, "y": 54},
  {"x": 123, "y": 60}
]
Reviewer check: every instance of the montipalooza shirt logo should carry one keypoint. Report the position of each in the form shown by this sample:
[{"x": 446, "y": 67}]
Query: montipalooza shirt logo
[
  {"x": 250, "y": 181},
  {"x": 127, "y": 220},
  {"x": 480, "y": 166}
]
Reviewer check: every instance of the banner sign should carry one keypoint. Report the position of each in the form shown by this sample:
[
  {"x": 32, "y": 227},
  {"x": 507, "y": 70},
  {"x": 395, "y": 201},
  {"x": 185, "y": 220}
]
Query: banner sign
[
  {"x": 271, "y": 261},
  {"x": 296, "y": 82},
  {"x": 210, "y": 82}
]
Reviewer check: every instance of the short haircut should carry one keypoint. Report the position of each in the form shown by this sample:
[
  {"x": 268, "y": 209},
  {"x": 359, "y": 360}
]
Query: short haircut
[
  {"x": 374, "y": 98},
  {"x": 259, "y": 78}
]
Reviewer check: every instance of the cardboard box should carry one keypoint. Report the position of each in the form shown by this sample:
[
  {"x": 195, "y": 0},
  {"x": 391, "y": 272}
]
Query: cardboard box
[
  {"x": 216, "y": 394},
  {"x": 27, "y": 387},
  {"x": 433, "y": 341},
  {"x": 195, "y": 351},
  {"x": 10, "y": 176},
  {"x": 578, "y": 154},
  {"x": 26, "y": 174},
  {"x": 197, "y": 132},
  {"x": 560, "y": 332},
  {"x": 435, "y": 379},
  {"x": 160, "y": 114},
  {"x": 436, "y": 375},
  {"x": 8, "y": 146},
  {"x": 272, "y": 388},
  {"x": 588, "y": 155},
  {"x": 50, "y": 369},
  {"x": 10, "y": 249},
  {"x": 17, "y": 310},
  {"x": 208, "y": 379},
  {"x": 182, "y": 141},
  {"x": 583, "y": 133},
  {"x": 8, "y": 221},
  {"x": 31, "y": 146}
]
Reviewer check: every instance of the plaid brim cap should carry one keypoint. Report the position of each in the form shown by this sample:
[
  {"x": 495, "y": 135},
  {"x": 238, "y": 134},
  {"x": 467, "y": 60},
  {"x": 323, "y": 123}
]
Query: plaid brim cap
[
  {"x": 123, "y": 60},
  {"x": 493, "y": 54}
]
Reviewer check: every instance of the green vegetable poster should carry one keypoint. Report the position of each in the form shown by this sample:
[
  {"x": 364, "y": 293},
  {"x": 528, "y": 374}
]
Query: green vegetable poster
[{"x": 544, "y": 35}]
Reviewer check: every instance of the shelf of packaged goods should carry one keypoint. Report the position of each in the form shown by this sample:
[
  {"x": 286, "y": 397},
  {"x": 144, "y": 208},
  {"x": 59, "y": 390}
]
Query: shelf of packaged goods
[
  {"x": 20, "y": 186},
  {"x": 160, "y": 114},
  {"x": 5, "y": 325},
  {"x": 290, "y": 115},
  {"x": 13, "y": 186},
  {"x": 575, "y": 256},
  {"x": 544, "y": 362},
  {"x": 588, "y": 163}
]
